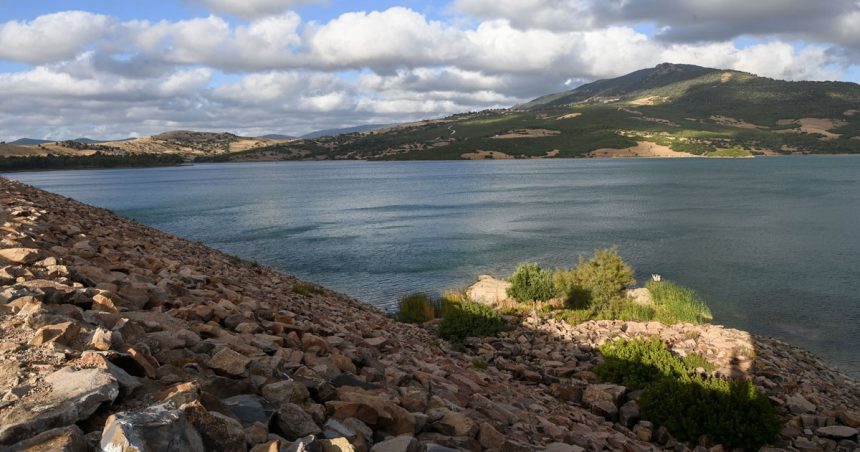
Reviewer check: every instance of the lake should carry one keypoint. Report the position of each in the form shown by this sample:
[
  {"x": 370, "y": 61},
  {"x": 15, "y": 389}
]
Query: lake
[{"x": 772, "y": 244}]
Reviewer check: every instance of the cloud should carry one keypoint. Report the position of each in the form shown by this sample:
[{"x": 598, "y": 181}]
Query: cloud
[
  {"x": 250, "y": 9},
  {"x": 51, "y": 37},
  {"x": 104, "y": 77}
]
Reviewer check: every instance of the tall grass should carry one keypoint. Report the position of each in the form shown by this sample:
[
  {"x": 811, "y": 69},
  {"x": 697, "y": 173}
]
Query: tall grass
[{"x": 678, "y": 304}]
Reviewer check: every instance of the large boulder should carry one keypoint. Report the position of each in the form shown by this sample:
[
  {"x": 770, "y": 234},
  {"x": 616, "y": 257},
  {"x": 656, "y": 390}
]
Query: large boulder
[
  {"x": 489, "y": 291},
  {"x": 20, "y": 255},
  {"x": 159, "y": 427},
  {"x": 73, "y": 396}
]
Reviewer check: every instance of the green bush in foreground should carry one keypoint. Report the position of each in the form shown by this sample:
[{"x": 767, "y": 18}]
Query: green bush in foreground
[
  {"x": 638, "y": 363},
  {"x": 469, "y": 319},
  {"x": 731, "y": 413},
  {"x": 416, "y": 308},
  {"x": 678, "y": 304},
  {"x": 531, "y": 283}
]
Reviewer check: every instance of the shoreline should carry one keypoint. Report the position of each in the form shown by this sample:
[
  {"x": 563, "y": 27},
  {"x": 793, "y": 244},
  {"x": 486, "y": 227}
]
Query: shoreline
[
  {"x": 188, "y": 164},
  {"x": 146, "y": 322}
]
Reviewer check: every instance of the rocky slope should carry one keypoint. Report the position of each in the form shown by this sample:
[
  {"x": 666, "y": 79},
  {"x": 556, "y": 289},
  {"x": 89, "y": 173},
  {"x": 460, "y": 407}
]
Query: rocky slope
[{"x": 115, "y": 336}]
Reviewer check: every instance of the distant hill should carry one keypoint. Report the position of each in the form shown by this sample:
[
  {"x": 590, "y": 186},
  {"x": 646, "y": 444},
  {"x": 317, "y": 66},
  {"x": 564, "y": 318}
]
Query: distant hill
[
  {"x": 29, "y": 142},
  {"x": 344, "y": 130},
  {"x": 275, "y": 136},
  {"x": 671, "y": 110}
]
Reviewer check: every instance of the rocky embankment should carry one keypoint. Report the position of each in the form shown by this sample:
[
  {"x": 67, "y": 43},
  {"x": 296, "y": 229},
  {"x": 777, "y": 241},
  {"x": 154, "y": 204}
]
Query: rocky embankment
[{"x": 115, "y": 336}]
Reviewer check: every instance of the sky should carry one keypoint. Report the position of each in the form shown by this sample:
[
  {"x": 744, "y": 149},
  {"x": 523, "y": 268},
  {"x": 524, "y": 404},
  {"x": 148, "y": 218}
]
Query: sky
[{"x": 109, "y": 69}]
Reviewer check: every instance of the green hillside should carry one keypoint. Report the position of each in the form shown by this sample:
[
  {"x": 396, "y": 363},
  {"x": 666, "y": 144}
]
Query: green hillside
[{"x": 671, "y": 108}]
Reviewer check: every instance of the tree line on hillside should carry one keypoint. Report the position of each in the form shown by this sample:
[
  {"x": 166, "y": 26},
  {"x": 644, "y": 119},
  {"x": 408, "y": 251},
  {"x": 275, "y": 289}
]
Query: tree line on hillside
[{"x": 97, "y": 160}]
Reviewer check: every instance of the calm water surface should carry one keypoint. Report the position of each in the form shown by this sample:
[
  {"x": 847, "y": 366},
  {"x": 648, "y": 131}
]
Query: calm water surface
[{"x": 772, "y": 243}]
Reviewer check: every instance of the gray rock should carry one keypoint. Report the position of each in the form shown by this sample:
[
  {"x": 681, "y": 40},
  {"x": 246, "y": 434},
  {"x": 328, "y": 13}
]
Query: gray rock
[
  {"x": 229, "y": 362},
  {"x": 605, "y": 409},
  {"x": 295, "y": 423},
  {"x": 628, "y": 414},
  {"x": 797, "y": 404},
  {"x": 159, "y": 427},
  {"x": 63, "y": 439},
  {"x": 607, "y": 392},
  {"x": 74, "y": 396},
  {"x": 562, "y": 447},
  {"x": 403, "y": 443},
  {"x": 249, "y": 408},
  {"x": 837, "y": 432},
  {"x": 286, "y": 391}
]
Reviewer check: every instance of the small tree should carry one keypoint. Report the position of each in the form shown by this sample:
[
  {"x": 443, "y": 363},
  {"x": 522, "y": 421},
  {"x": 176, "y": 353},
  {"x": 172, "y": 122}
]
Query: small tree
[
  {"x": 531, "y": 283},
  {"x": 596, "y": 281}
]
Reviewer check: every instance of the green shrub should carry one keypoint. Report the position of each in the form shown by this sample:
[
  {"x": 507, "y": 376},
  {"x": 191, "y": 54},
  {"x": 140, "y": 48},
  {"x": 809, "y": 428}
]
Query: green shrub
[
  {"x": 732, "y": 413},
  {"x": 695, "y": 361},
  {"x": 416, "y": 308},
  {"x": 306, "y": 289},
  {"x": 639, "y": 362},
  {"x": 597, "y": 281},
  {"x": 678, "y": 304},
  {"x": 469, "y": 319},
  {"x": 531, "y": 283}
]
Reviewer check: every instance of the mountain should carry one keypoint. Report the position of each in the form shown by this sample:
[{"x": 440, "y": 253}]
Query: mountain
[
  {"x": 29, "y": 142},
  {"x": 661, "y": 76},
  {"x": 275, "y": 136},
  {"x": 670, "y": 110},
  {"x": 344, "y": 130}
]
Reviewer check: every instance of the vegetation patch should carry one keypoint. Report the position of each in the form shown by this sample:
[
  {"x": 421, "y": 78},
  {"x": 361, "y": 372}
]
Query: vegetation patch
[
  {"x": 462, "y": 319},
  {"x": 729, "y": 412},
  {"x": 416, "y": 308},
  {"x": 306, "y": 289},
  {"x": 678, "y": 304}
]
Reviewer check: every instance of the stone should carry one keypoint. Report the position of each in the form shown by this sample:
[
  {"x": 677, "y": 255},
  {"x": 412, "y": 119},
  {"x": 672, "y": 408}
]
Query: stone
[
  {"x": 285, "y": 391},
  {"x": 489, "y": 291},
  {"x": 797, "y": 404},
  {"x": 158, "y": 427},
  {"x": 63, "y": 439},
  {"x": 403, "y": 443},
  {"x": 456, "y": 424},
  {"x": 65, "y": 333},
  {"x": 229, "y": 362},
  {"x": 514, "y": 446},
  {"x": 849, "y": 418},
  {"x": 605, "y": 409},
  {"x": 102, "y": 339},
  {"x": 628, "y": 414},
  {"x": 562, "y": 447},
  {"x": 105, "y": 302},
  {"x": 74, "y": 396},
  {"x": 489, "y": 437},
  {"x": 295, "y": 423},
  {"x": 249, "y": 408},
  {"x": 336, "y": 445},
  {"x": 607, "y": 392},
  {"x": 643, "y": 431},
  {"x": 217, "y": 431},
  {"x": 256, "y": 433},
  {"x": 21, "y": 255},
  {"x": 837, "y": 432}
]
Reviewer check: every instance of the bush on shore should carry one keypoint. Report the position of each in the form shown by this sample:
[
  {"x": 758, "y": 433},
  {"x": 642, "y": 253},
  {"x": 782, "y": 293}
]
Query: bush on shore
[
  {"x": 416, "y": 308},
  {"x": 463, "y": 318},
  {"x": 531, "y": 283},
  {"x": 732, "y": 413},
  {"x": 678, "y": 304},
  {"x": 596, "y": 282}
]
